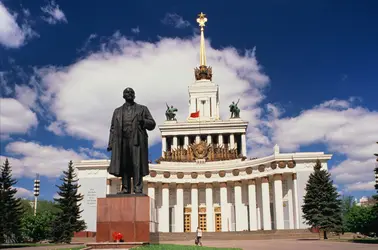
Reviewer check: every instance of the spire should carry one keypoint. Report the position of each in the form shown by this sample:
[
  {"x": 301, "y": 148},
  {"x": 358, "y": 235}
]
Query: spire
[
  {"x": 203, "y": 72},
  {"x": 201, "y": 20}
]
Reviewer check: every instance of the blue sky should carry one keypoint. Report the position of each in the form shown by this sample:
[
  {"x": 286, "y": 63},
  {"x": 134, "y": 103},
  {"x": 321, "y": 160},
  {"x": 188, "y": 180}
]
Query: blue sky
[{"x": 306, "y": 73}]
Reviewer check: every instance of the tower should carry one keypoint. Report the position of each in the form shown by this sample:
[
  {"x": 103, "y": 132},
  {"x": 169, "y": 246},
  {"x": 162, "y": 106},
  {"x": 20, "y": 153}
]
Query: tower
[
  {"x": 203, "y": 92},
  {"x": 203, "y": 136}
]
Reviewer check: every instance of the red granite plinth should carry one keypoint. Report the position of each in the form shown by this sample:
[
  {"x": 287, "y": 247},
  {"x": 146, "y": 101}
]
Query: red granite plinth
[{"x": 125, "y": 214}]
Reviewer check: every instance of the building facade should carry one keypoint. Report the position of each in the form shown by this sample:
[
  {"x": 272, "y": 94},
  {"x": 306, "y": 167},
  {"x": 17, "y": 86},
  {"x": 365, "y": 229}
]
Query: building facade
[{"x": 204, "y": 178}]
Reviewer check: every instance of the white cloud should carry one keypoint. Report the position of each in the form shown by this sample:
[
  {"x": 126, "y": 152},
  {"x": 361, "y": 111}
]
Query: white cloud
[
  {"x": 31, "y": 158},
  {"x": 343, "y": 128},
  {"x": 15, "y": 118},
  {"x": 135, "y": 30},
  {"x": 13, "y": 35},
  {"x": 158, "y": 72},
  {"x": 175, "y": 20},
  {"x": 26, "y": 95},
  {"x": 24, "y": 193},
  {"x": 361, "y": 186},
  {"x": 53, "y": 14}
]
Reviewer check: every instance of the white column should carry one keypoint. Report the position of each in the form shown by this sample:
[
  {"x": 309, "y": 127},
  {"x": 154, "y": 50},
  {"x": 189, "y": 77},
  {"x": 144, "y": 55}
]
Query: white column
[
  {"x": 193, "y": 105},
  {"x": 186, "y": 141},
  {"x": 214, "y": 104},
  {"x": 174, "y": 143},
  {"x": 209, "y": 208},
  {"x": 198, "y": 139},
  {"x": 232, "y": 141},
  {"x": 179, "y": 214},
  {"x": 295, "y": 198},
  {"x": 194, "y": 214},
  {"x": 244, "y": 145},
  {"x": 290, "y": 200},
  {"x": 238, "y": 206},
  {"x": 224, "y": 206},
  {"x": 267, "y": 220},
  {"x": 163, "y": 145},
  {"x": 164, "y": 222},
  {"x": 220, "y": 140},
  {"x": 151, "y": 194},
  {"x": 252, "y": 205},
  {"x": 208, "y": 139},
  {"x": 278, "y": 203}
]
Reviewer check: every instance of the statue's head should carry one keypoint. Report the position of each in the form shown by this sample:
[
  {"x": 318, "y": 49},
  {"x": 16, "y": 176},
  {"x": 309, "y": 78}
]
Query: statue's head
[{"x": 129, "y": 94}]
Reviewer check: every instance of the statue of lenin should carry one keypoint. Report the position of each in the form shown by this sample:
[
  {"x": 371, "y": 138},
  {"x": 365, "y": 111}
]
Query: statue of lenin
[{"x": 128, "y": 143}]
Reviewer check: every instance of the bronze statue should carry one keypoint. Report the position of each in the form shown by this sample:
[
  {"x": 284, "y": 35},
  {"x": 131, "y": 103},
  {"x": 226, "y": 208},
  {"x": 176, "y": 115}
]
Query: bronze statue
[
  {"x": 234, "y": 109},
  {"x": 170, "y": 114},
  {"x": 128, "y": 141}
]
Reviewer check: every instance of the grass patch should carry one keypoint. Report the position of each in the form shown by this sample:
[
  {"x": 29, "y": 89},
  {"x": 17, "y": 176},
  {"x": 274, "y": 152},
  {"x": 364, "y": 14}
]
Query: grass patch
[
  {"x": 180, "y": 247},
  {"x": 366, "y": 241}
]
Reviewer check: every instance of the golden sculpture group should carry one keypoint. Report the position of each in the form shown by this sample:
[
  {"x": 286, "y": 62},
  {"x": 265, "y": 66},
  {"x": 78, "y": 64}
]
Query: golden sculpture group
[{"x": 201, "y": 150}]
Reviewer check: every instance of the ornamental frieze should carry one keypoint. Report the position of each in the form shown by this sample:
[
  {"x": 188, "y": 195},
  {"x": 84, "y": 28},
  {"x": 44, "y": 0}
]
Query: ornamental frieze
[
  {"x": 282, "y": 164},
  {"x": 153, "y": 173},
  {"x": 291, "y": 164},
  {"x": 235, "y": 172},
  {"x": 273, "y": 165},
  {"x": 248, "y": 170},
  {"x": 261, "y": 168},
  {"x": 201, "y": 150},
  {"x": 180, "y": 175}
]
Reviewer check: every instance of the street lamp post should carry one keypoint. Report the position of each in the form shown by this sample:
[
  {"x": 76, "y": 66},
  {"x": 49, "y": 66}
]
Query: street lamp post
[{"x": 36, "y": 193}]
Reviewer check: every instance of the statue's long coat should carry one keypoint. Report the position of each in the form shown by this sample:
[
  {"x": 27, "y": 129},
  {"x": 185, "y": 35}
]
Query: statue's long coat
[{"x": 139, "y": 136}]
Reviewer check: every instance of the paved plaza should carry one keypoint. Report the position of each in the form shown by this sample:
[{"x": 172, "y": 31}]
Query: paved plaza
[
  {"x": 261, "y": 245},
  {"x": 283, "y": 244}
]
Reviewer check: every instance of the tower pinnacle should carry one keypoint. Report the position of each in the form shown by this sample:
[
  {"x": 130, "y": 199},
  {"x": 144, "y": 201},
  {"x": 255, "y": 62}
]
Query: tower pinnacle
[
  {"x": 201, "y": 20},
  {"x": 203, "y": 72}
]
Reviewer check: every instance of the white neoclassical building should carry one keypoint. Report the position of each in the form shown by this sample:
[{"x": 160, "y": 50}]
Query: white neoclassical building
[{"x": 204, "y": 177}]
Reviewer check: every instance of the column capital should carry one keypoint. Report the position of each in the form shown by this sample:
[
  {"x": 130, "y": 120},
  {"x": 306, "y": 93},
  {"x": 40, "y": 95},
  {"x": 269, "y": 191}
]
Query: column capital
[
  {"x": 294, "y": 176},
  {"x": 209, "y": 185},
  {"x": 237, "y": 183},
  {"x": 223, "y": 184},
  {"x": 180, "y": 186},
  {"x": 277, "y": 177},
  {"x": 265, "y": 179},
  {"x": 194, "y": 185},
  {"x": 251, "y": 182},
  {"x": 151, "y": 184},
  {"x": 165, "y": 185},
  {"x": 108, "y": 182}
]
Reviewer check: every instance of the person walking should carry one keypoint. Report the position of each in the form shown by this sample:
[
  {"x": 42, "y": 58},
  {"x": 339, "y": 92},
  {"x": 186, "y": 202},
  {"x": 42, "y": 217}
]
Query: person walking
[{"x": 198, "y": 236}]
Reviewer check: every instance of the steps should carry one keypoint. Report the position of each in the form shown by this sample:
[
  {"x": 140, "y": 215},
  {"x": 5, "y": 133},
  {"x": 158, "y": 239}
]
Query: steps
[{"x": 253, "y": 235}]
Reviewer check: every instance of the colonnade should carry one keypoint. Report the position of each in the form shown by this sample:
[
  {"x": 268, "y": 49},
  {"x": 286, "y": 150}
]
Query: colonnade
[
  {"x": 259, "y": 208},
  {"x": 232, "y": 140}
]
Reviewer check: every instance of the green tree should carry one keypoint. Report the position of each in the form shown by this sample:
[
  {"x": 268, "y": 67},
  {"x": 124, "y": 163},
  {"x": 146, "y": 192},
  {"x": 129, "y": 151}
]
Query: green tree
[
  {"x": 37, "y": 227},
  {"x": 347, "y": 202},
  {"x": 67, "y": 220},
  {"x": 322, "y": 206},
  {"x": 11, "y": 209},
  {"x": 43, "y": 206},
  {"x": 359, "y": 219}
]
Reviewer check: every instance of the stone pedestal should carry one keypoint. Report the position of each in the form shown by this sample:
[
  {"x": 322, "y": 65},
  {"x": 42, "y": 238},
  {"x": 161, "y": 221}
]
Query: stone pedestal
[{"x": 125, "y": 214}]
